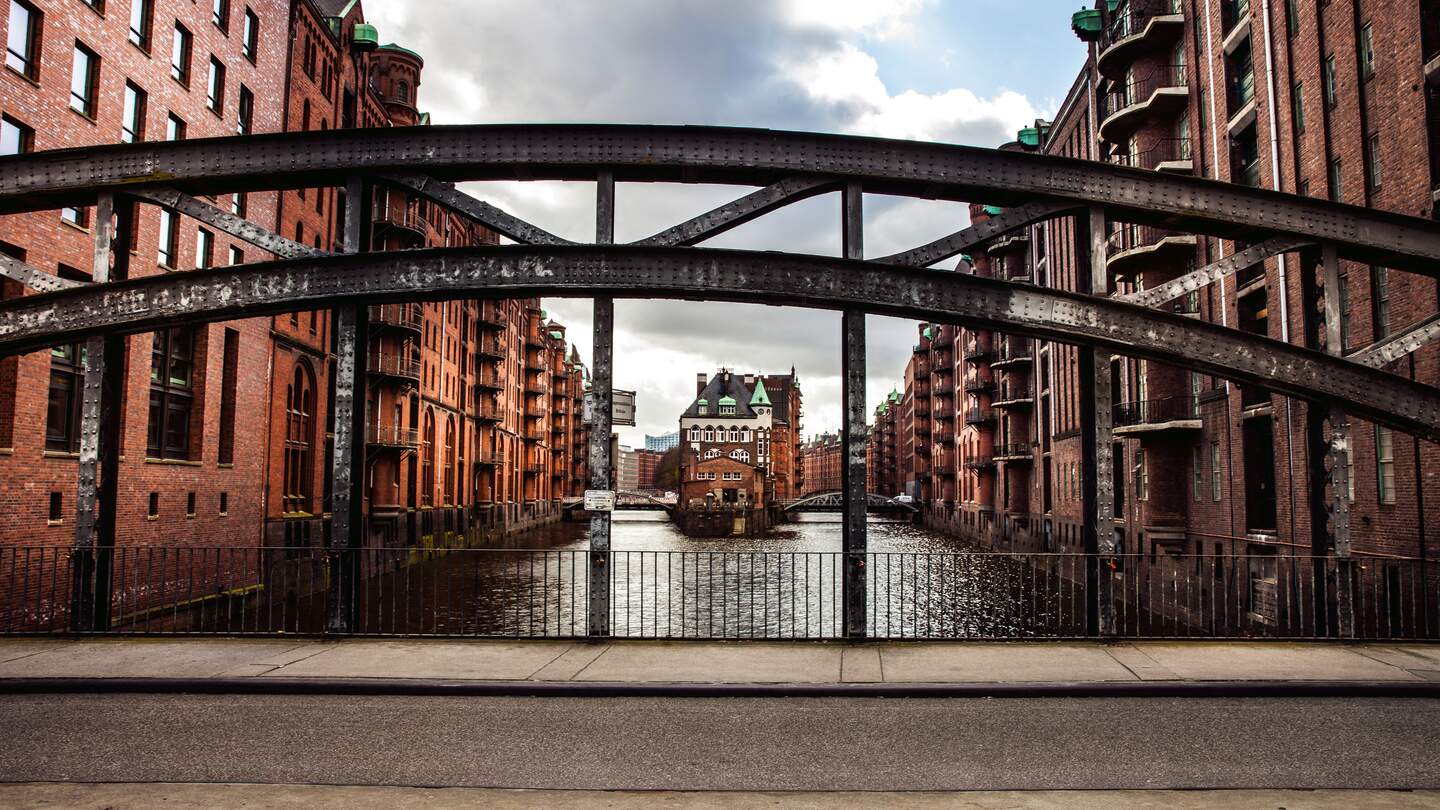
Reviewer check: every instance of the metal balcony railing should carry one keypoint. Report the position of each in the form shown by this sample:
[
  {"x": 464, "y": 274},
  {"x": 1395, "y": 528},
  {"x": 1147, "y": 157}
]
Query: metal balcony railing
[
  {"x": 1165, "y": 150},
  {"x": 1130, "y": 236},
  {"x": 979, "y": 416},
  {"x": 978, "y": 385},
  {"x": 1156, "y": 411},
  {"x": 1013, "y": 351},
  {"x": 1139, "y": 90},
  {"x": 1010, "y": 393},
  {"x": 392, "y": 364},
  {"x": 490, "y": 348},
  {"x": 1015, "y": 451},
  {"x": 392, "y": 436},
  {"x": 979, "y": 461},
  {"x": 1131, "y": 18},
  {"x": 977, "y": 349},
  {"x": 401, "y": 316}
]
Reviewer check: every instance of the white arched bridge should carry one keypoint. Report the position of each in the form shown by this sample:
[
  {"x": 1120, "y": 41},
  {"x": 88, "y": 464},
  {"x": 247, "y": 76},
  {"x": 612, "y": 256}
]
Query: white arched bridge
[
  {"x": 783, "y": 167},
  {"x": 835, "y": 502}
]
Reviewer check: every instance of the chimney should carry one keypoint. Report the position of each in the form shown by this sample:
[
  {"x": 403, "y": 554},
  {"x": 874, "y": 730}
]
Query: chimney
[
  {"x": 749, "y": 380},
  {"x": 700, "y": 380}
]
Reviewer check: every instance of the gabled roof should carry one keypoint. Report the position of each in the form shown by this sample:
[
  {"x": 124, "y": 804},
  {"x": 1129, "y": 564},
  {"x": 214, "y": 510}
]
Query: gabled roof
[{"x": 718, "y": 389}]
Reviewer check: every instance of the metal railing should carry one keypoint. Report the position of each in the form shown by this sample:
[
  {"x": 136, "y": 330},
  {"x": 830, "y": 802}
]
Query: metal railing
[
  {"x": 392, "y": 436},
  {"x": 392, "y": 364},
  {"x": 1165, "y": 150},
  {"x": 405, "y": 316},
  {"x": 979, "y": 416},
  {"x": 1130, "y": 236},
  {"x": 1131, "y": 19},
  {"x": 977, "y": 349},
  {"x": 452, "y": 591},
  {"x": 1155, "y": 411},
  {"x": 1139, "y": 90}
]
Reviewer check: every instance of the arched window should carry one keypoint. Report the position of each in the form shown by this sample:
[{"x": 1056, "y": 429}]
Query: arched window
[
  {"x": 405, "y": 91},
  {"x": 694, "y": 434},
  {"x": 709, "y": 435},
  {"x": 427, "y": 460},
  {"x": 712, "y": 453},
  {"x": 450, "y": 460},
  {"x": 299, "y": 439},
  {"x": 740, "y": 455}
]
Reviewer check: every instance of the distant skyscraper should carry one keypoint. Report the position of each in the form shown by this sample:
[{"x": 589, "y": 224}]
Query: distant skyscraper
[{"x": 663, "y": 442}]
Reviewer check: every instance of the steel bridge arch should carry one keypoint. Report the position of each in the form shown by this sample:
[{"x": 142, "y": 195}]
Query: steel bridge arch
[{"x": 147, "y": 303}]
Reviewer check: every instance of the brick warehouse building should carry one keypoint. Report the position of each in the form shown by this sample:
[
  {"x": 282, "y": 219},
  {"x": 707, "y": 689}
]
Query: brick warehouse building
[
  {"x": 820, "y": 464},
  {"x": 740, "y": 440},
  {"x": 463, "y": 422},
  {"x": 1314, "y": 98}
]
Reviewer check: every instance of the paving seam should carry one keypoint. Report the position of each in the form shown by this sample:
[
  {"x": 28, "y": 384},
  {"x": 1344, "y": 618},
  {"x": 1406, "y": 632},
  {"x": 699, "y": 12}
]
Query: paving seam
[{"x": 421, "y": 687}]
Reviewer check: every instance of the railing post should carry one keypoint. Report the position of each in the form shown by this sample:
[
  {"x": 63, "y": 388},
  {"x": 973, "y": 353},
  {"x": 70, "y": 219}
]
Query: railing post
[
  {"x": 347, "y": 469},
  {"x": 853, "y": 438},
  {"x": 1097, "y": 470},
  {"x": 601, "y": 384},
  {"x": 100, "y": 440}
]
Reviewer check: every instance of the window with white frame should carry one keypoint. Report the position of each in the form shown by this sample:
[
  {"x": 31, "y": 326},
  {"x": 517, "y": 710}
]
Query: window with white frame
[
  {"x": 711, "y": 453},
  {"x": 694, "y": 434},
  {"x": 740, "y": 455},
  {"x": 709, "y": 435}
]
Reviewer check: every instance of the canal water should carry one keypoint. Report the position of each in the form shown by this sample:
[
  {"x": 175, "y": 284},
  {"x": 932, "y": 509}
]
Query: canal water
[{"x": 784, "y": 584}]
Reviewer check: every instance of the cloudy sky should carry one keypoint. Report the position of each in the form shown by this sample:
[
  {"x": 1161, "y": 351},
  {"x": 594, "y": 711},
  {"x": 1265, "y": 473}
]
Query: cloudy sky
[{"x": 958, "y": 71}]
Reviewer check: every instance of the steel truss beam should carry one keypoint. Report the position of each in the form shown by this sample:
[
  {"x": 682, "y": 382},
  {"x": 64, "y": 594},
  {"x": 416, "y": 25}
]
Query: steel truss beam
[
  {"x": 738, "y": 212},
  {"x": 1213, "y": 272},
  {"x": 33, "y": 277},
  {"x": 484, "y": 213},
  {"x": 1398, "y": 345},
  {"x": 143, "y": 304},
  {"x": 963, "y": 241},
  {"x": 48, "y": 180},
  {"x": 236, "y": 226}
]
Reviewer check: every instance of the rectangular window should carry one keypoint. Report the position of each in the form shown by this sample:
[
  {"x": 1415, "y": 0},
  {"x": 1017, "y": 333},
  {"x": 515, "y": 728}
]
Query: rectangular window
[
  {"x": 220, "y": 14},
  {"x": 1297, "y": 110},
  {"x": 190, "y": 505},
  {"x": 215, "y": 86},
  {"x": 1372, "y": 161},
  {"x": 180, "y": 55},
  {"x": 79, "y": 217},
  {"x": 1335, "y": 177},
  {"x": 168, "y": 238},
  {"x": 1215, "y": 471},
  {"x": 204, "y": 249},
  {"x": 1384, "y": 465},
  {"x": 174, "y": 128},
  {"x": 1142, "y": 477},
  {"x": 140, "y": 16},
  {"x": 15, "y": 137},
  {"x": 62, "y": 412},
  {"x": 1329, "y": 78},
  {"x": 237, "y": 256},
  {"x": 1344, "y": 311},
  {"x": 132, "y": 122},
  {"x": 1380, "y": 300},
  {"x": 1292, "y": 16},
  {"x": 1197, "y": 478},
  {"x": 22, "y": 43},
  {"x": 172, "y": 367},
  {"x": 246, "y": 112},
  {"x": 237, "y": 204},
  {"x": 57, "y": 507},
  {"x": 84, "y": 79},
  {"x": 224, "y": 503},
  {"x": 249, "y": 35},
  {"x": 154, "y": 509},
  {"x": 1367, "y": 52},
  {"x": 229, "y": 377}
]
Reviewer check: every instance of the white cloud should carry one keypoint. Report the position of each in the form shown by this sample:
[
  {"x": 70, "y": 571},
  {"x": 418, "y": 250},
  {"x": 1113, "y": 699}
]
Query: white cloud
[{"x": 882, "y": 19}]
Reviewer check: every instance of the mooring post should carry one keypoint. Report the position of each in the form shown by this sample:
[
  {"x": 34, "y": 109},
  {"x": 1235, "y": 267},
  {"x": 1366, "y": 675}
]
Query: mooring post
[
  {"x": 347, "y": 469},
  {"x": 853, "y": 438},
  {"x": 100, "y": 440},
  {"x": 602, "y": 382},
  {"x": 1097, "y": 449}
]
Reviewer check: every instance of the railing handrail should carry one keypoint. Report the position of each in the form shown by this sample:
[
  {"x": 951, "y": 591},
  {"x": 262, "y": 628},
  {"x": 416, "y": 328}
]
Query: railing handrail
[{"x": 1139, "y": 89}]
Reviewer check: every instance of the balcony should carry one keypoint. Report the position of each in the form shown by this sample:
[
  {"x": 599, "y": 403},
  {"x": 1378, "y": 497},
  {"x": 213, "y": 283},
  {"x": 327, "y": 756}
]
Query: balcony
[
  {"x": 392, "y": 437},
  {"x": 533, "y": 467},
  {"x": 1014, "y": 453},
  {"x": 534, "y": 412},
  {"x": 490, "y": 348},
  {"x": 979, "y": 416},
  {"x": 1163, "y": 91},
  {"x": 944, "y": 434},
  {"x": 535, "y": 362},
  {"x": 1155, "y": 415},
  {"x": 405, "y": 317},
  {"x": 1138, "y": 27},
  {"x": 1014, "y": 241},
  {"x": 977, "y": 350},
  {"x": 980, "y": 461},
  {"x": 490, "y": 317},
  {"x": 536, "y": 384},
  {"x": 1014, "y": 396},
  {"x": 534, "y": 433},
  {"x": 403, "y": 223},
  {"x": 1010, "y": 354},
  {"x": 1130, "y": 249},
  {"x": 535, "y": 338},
  {"x": 1165, "y": 155},
  {"x": 976, "y": 384},
  {"x": 490, "y": 459},
  {"x": 489, "y": 381},
  {"x": 922, "y": 427},
  {"x": 488, "y": 412},
  {"x": 394, "y": 366}
]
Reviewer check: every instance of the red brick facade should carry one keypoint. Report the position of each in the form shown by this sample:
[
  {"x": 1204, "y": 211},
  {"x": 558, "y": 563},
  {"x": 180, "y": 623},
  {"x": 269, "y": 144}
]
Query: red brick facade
[{"x": 1327, "y": 99}]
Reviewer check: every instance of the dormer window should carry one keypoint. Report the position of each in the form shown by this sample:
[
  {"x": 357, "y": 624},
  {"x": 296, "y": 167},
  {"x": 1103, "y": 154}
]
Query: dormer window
[
  {"x": 727, "y": 410},
  {"x": 702, "y": 406}
]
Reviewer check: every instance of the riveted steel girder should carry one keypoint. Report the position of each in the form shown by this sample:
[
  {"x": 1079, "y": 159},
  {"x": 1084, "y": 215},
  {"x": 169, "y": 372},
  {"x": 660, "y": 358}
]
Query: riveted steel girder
[
  {"x": 143, "y": 304},
  {"x": 713, "y": 155},
  {"x": 232, "y": 224},
  {"x": 1397, "y": 346},
  {"x": 968, "y": 239},
  {"x": 479, "y": 211},
  {"x": 33, "y": 277},
  {"x": 738, "y": 212},
  {"x": 1210, "y": 273}
]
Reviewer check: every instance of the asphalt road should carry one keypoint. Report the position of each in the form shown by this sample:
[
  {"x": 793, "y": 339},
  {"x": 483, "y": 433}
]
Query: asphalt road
[{"x": 724, "y": 744}]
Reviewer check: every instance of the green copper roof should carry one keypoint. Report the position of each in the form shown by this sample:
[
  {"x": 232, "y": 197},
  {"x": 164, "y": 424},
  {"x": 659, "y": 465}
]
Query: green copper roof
[
  {"x": 393, "y": 47},
  {"x": 366, "y": 35},
  {"x": 992, "y": 210},
  {"x": 556, "y": 335},
  {"x": 702, "y": 401},
  {"x": 894, "y": 396},
  {"x": 760, "y": 397},
  {"x": 928, "y": 333},
  {"x": 727, "y": 400}
]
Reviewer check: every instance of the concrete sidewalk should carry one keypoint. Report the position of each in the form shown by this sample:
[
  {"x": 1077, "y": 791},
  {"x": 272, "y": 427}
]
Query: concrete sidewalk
[{"x": 759, "y": 665}]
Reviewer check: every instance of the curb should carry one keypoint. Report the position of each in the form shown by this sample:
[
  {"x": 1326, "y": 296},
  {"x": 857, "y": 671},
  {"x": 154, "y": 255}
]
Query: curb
[{"x": 602, "y": 689}]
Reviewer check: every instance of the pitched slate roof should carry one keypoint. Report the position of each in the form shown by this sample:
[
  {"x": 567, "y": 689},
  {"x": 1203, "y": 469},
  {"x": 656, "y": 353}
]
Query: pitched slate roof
[{"x": 719, "y": 388}]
